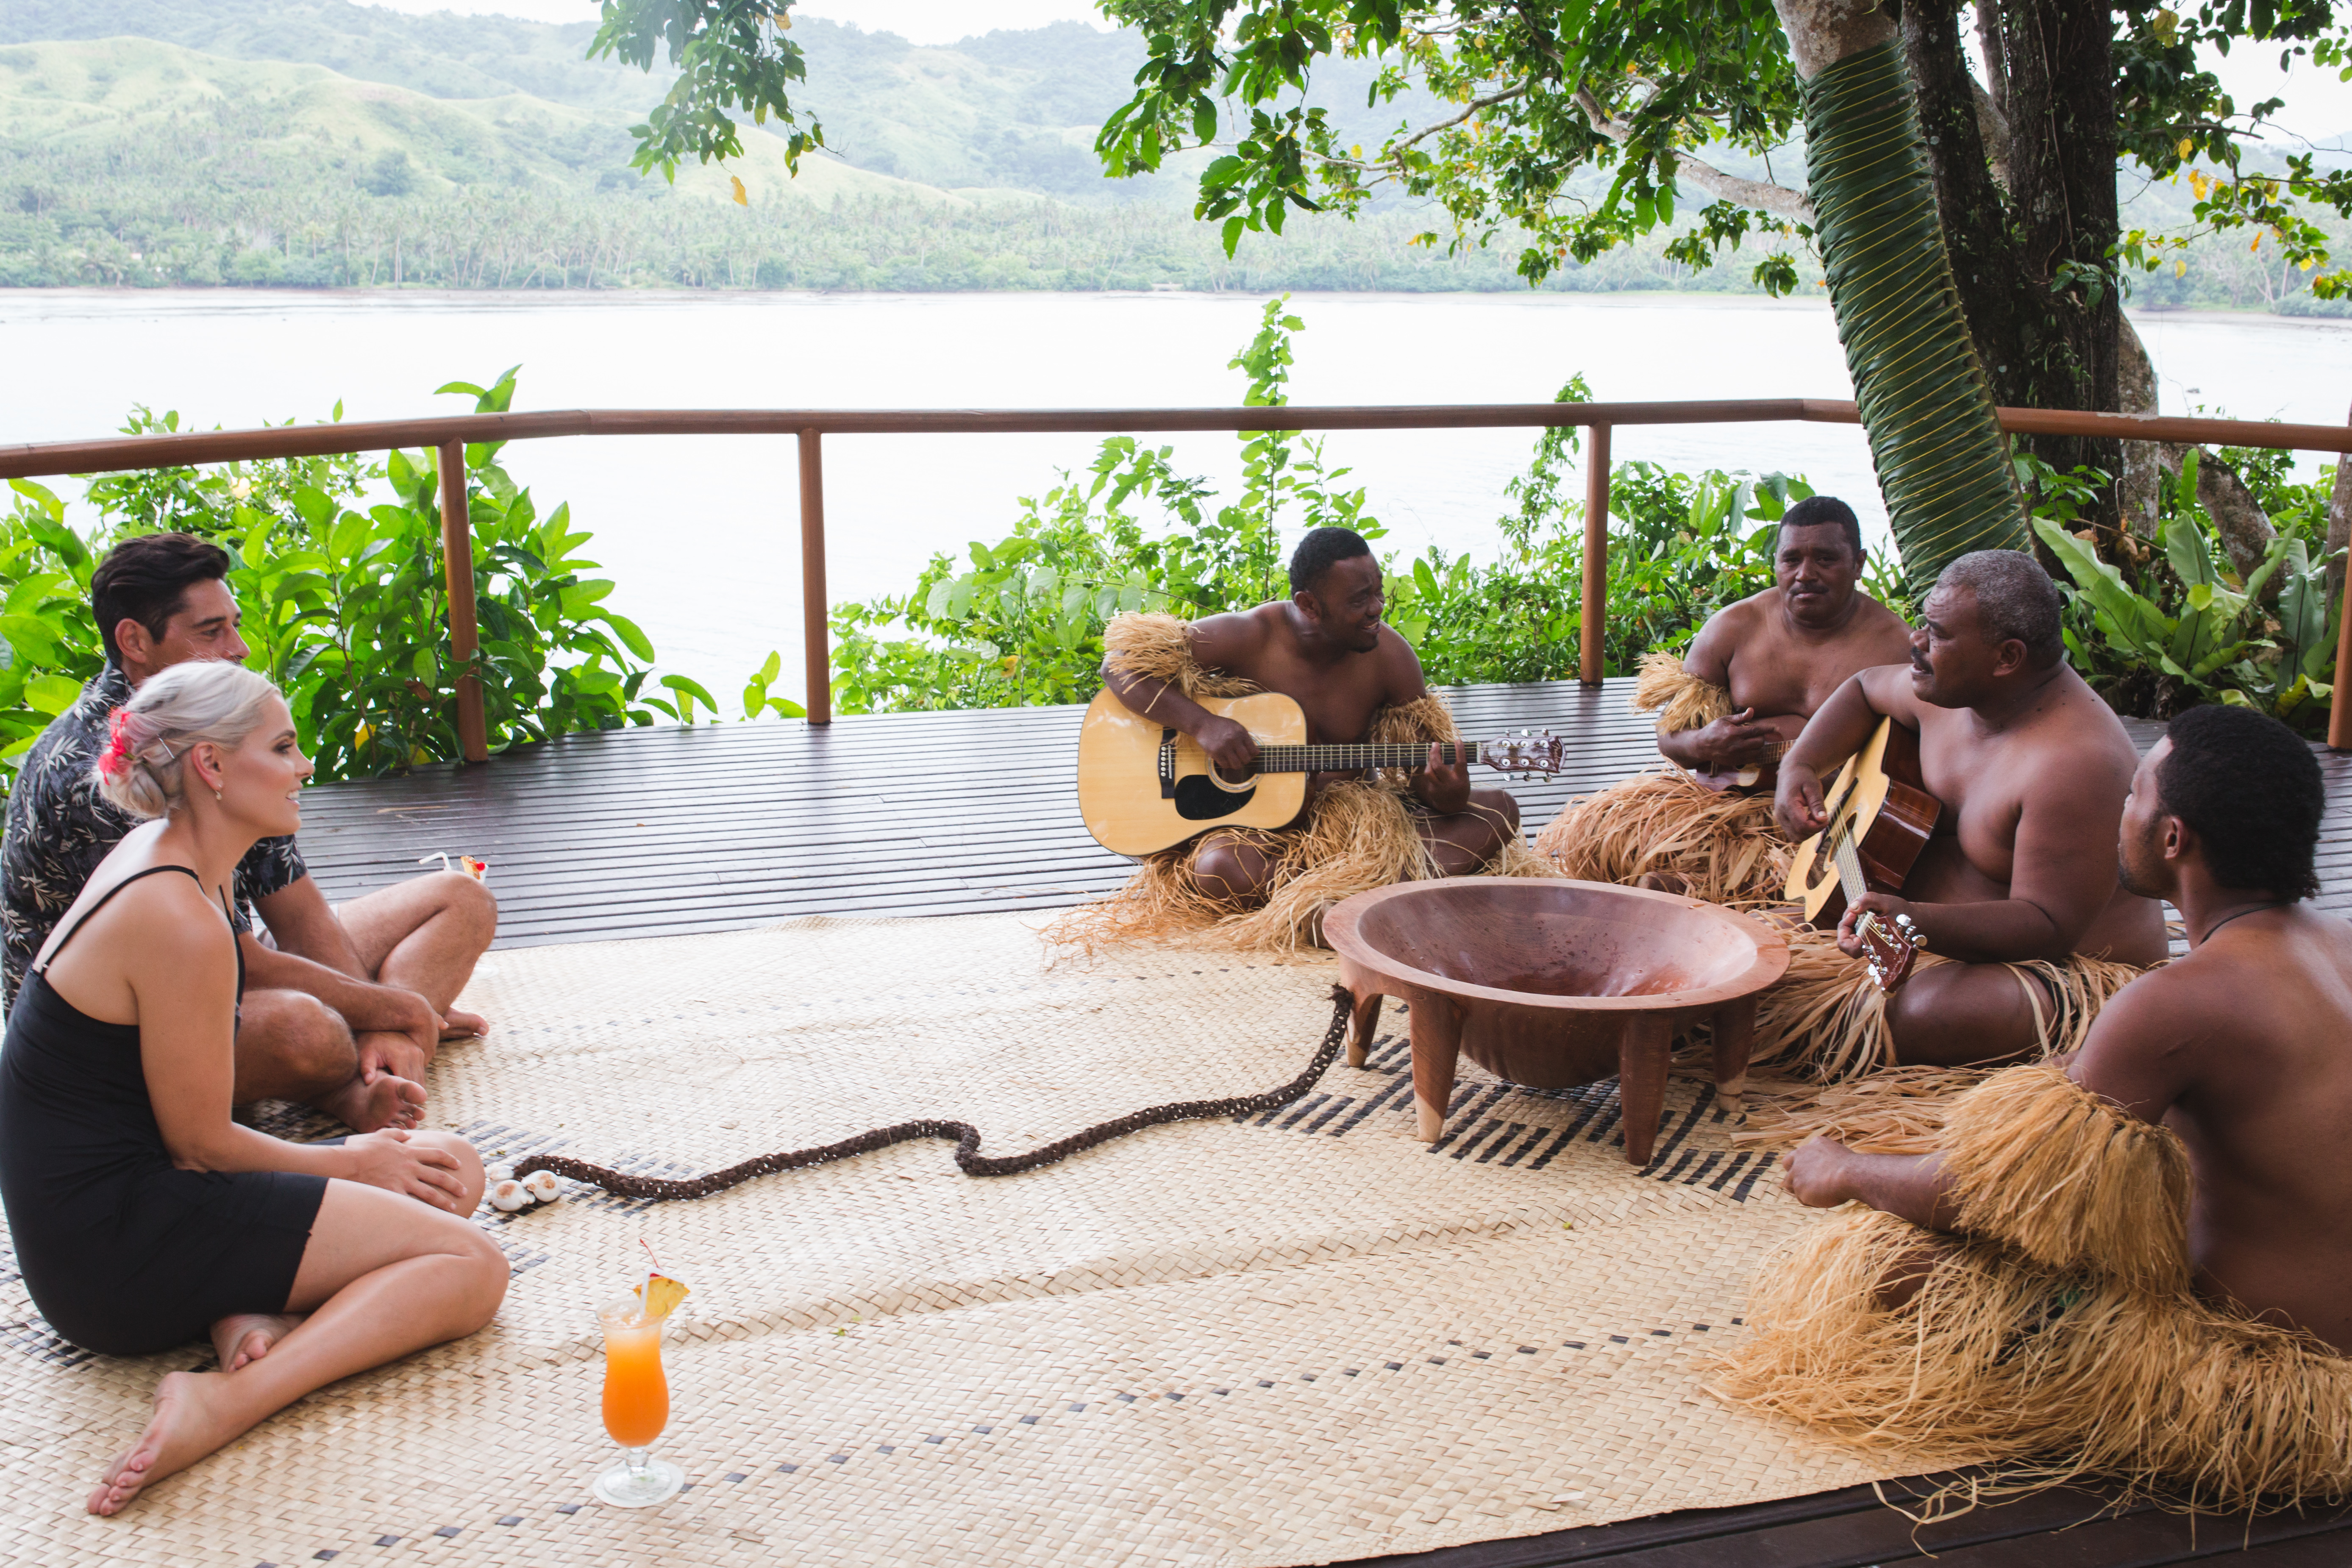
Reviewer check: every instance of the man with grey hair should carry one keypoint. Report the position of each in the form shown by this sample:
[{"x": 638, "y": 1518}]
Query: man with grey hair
[{"x": 2026, "y": 930}]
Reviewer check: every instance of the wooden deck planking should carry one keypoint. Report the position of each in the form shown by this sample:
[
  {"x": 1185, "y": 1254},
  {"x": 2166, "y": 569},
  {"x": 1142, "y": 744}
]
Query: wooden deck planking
[{"x": 668, "y": 832}]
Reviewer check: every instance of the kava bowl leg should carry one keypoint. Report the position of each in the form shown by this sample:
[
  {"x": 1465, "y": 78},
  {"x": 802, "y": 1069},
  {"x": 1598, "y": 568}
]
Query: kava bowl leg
[
  {"x": 1366, "y": 1019},
  {"x": 1735, "y": 1033},
  {"x": 1642, "y": 1060},
  {"x": 1436, "y": 1048}
]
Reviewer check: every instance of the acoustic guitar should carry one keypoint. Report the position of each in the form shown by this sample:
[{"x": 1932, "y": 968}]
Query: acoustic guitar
[
  {"x": 1880, "y": 817},
  {"x": 1144, "y": 787}
]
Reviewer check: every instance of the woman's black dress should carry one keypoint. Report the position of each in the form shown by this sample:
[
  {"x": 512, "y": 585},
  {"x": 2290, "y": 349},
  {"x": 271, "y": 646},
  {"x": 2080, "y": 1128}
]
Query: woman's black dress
[{"x": 123, "y": 1253}]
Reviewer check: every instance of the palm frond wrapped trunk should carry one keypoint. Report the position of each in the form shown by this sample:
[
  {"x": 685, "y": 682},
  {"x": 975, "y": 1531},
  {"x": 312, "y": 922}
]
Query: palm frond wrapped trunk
[{"x": 1943, "y": 464}]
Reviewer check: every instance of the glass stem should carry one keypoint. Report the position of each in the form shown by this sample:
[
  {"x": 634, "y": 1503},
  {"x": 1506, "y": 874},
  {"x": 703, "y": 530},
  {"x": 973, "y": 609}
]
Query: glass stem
[{"x": 635, "y": 1460}]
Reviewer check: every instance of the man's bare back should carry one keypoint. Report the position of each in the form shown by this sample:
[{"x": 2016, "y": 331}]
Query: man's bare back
[
  {"x": 2238, "y": 1046},
  {"x": 1783, "y": 652},
  {"x": 2032, "y": 770}
]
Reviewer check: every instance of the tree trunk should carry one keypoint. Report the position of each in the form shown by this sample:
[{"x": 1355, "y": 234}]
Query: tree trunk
[
  {"x": 2062, "y": 159},
  {"x": 1942, "y": 463}
]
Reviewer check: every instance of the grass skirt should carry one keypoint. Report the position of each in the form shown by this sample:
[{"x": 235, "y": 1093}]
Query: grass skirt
[
  {"x": 1357, "y": 836},
  {"x": 1826, "y": 1020},
  {"x": 2056, "y": 1336},
  {"x": 1717, "y": 845}
]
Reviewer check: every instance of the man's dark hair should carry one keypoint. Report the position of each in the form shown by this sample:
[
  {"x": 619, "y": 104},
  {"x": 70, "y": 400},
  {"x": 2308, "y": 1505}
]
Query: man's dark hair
[
  {"x": 147, "y": 579},
  {"x": 2251, "y": 789},
  {"x": 1318, "y": 550},
  {"x": 1814, "y": 512},
  {"x": 2015, "y": 598}
]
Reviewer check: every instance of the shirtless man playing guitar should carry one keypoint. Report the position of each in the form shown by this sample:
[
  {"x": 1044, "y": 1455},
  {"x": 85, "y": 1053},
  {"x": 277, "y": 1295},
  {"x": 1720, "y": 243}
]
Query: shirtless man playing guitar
[
  {"x": 1325, "y": 648},
  {"x": 2032, "y": 769},
  {"x": 1782, "y": 652}
]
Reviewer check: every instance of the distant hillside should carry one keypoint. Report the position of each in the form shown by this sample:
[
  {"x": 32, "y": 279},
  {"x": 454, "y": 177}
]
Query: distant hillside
[
  {"x": 320, "y": 142},
  {"x": 169, "y": 115},
  {"x": 1009, "y": 111},
  {"x": 1012, "y": 111}
]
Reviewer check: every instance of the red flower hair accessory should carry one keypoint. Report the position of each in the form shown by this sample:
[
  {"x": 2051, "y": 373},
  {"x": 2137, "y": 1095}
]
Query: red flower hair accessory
[{"x": 115, "y": 760}]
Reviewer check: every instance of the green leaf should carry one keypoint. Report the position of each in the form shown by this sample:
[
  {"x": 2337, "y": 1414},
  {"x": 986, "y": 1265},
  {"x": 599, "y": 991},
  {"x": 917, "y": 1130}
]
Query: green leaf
[
  {"x": 52, "y": 694},
  {"x": 630, "y": 634}
]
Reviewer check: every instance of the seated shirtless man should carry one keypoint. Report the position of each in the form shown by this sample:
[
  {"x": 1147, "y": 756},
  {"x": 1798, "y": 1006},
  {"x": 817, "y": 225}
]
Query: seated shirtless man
[
  {"x": 343, "y": 1005},
  {"x": 2185, "y": 1171},
  {"x": 2015, "y": 888},
  {"x": 1357, "y": 680},
  {"x": 1754, "y": 674}
]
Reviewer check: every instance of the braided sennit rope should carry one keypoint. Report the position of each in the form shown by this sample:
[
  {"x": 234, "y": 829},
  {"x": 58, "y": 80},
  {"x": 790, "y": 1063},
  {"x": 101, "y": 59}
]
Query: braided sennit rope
[{"x": 967, "y": 1155}]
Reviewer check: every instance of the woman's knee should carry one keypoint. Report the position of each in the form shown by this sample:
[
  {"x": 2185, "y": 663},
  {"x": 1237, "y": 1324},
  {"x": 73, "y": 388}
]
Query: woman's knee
[{"x": 468, "y": 1158}]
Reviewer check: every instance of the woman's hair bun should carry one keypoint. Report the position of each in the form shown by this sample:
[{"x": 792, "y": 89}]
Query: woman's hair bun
[{"x": 143, "y": 768}]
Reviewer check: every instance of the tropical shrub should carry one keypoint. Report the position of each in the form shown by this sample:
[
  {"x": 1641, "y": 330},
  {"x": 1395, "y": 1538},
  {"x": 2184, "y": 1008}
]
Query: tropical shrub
[
  {"x": 1020, "y": 621},
  {"x": 346, "y": 601},
  {"x": 2189, "y": 629}
]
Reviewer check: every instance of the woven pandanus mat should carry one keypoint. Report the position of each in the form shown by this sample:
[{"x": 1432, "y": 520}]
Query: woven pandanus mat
[{"x": 1299, "y": 1336}]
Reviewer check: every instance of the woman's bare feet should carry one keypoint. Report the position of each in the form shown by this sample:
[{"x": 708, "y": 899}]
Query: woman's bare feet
[
  {"x": 458, "y": 1025},
  {"x": 185, "y": 1428},
  {"x": 248, "y": 1336},
  {"x": 365, "y": 1107}
]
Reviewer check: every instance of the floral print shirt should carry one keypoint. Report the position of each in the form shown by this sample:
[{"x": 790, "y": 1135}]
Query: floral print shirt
[{"x": 60, "y": 827}]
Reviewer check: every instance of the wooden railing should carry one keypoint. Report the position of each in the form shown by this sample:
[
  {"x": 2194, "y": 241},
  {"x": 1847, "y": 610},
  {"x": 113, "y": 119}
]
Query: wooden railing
[{"x": 451, "y": 435}]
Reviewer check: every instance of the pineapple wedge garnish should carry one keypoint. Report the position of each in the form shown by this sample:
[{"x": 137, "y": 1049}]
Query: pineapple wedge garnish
[{"x": 660, "y": 1295}]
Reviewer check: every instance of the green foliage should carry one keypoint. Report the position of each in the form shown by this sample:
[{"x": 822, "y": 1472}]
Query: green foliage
[
  {"x": 1020, "y": 621},
  {"x": 2191, "y": 630},
  {"x": 52, "y": 643},
  {"x": 345, "y": 602},
  {"x": 1023, "y": 622},
  {"x": 728, "y": 54}
]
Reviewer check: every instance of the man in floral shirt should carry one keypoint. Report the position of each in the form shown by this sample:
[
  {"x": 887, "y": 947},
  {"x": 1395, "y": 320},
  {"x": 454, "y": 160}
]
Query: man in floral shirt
[{"x": 342, "y": 1008}]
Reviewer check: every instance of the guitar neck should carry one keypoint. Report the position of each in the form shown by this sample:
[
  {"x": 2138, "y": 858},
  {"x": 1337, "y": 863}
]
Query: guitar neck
[{"x": 1355, "y": 759}]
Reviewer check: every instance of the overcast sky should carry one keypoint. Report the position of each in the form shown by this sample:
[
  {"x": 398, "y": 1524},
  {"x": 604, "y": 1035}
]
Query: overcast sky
[{"x": 2318, "y": 105}]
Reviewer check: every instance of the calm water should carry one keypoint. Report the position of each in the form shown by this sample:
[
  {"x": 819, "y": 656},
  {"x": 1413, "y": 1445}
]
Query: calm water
[{"x": 701, "y": 531}]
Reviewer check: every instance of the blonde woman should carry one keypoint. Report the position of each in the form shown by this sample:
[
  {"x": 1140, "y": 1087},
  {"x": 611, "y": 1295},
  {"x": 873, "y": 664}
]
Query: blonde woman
[{"x": 143, "y": 1216}]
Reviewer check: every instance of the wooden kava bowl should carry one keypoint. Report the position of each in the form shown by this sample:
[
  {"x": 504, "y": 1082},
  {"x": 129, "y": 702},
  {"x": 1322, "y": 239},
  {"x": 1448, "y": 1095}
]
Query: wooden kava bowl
[{"x": 1552, "y": 983}]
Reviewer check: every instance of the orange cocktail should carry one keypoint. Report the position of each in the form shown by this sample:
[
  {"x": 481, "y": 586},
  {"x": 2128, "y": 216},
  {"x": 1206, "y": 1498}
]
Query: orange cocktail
[
  {"x": 636, "y": 1402},
  {"x": 636, "y": 1394}
]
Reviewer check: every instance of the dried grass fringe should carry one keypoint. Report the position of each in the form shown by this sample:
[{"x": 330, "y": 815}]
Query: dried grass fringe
[
  {"x": 2059, "y": 1339},
  {"x": 1720, "y": 845},
  {"x": 1357, "y": 835},
  {"x": 1826, "y": 1020},
  {"x": 1682, "y": 701}
]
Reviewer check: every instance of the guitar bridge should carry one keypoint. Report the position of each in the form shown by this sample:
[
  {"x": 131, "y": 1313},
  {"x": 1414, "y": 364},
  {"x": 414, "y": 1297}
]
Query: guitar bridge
[{"x": 1167, "y": 761}]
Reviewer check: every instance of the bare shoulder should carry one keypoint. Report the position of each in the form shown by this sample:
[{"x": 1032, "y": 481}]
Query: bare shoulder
[
  {"x": 1881, "y": 628},
  {"x": 2150, "y": 1038},
  {"x": 1219, "y": 641},
  {"x": 2080, "y": 726},
  {"x": 1710, "y": 656},
  {"x": 1400, "y": 670}
]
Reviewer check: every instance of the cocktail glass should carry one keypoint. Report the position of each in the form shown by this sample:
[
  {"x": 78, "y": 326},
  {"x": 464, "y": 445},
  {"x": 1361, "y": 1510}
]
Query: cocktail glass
[{"x": 637, "y": 1407}]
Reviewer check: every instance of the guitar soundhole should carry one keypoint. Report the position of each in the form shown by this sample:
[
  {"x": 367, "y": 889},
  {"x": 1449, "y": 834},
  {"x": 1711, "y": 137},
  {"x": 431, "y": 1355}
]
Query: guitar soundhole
[
  {"x": 1200, "y": 800},
  {"x": 1822, "y": 869}
]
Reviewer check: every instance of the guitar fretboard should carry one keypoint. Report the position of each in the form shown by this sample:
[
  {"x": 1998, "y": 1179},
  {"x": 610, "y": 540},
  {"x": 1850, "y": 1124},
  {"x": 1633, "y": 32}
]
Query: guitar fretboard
[{"x": 1349, "y": 759}]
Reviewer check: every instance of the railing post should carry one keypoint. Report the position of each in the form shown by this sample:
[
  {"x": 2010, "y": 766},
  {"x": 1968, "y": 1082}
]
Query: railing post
[
  {"x": 1593, "y": 619},
  {"x": 464, "y": 631},
  {"x": 816, "y": 640},
  {"x": 2339, "y": 708}
]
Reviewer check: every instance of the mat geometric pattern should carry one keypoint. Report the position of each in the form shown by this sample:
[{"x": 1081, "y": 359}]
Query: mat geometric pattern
[{"x": 1299, "y": 1338}]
